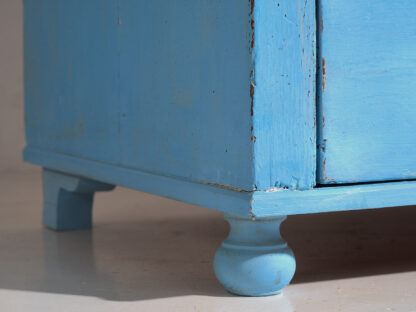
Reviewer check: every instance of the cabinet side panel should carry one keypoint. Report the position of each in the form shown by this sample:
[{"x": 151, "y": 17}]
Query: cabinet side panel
[
  {"x": 284, "y": 83},
  {"x": 154, "y": 85},
  {"x": 185, "y": 89},
  {"x": 71, "y": 77}
]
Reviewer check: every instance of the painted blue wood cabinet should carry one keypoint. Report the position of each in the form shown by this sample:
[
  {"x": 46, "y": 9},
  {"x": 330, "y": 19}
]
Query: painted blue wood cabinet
[
  {"x": 368, "y": 91},
  {"x": 247, "y": 107}
]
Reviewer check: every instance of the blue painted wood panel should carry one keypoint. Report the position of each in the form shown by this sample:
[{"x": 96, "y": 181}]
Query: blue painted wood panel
[
  {"x": 367, "y": 106},
  {"x": 217, "y": 92},
  {"x": 283, "y": 87},
  {"x": 185, "y": 89},
  {"x": 71, "y": 77},
  {"x": 160, "y": 86}
]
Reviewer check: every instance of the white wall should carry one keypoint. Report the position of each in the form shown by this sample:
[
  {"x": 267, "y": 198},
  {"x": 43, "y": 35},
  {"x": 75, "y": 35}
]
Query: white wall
[{"x": 11, "y": 86}]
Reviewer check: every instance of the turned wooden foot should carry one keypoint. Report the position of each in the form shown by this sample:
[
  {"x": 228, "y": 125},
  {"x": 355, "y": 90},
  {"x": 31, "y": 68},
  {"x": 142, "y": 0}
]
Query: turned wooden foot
[
  {"x": 67, "y": 200},
  {"x": 254, "y": 260}
]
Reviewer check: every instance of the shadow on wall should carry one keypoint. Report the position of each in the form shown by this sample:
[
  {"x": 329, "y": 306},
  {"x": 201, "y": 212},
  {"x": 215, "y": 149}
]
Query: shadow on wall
[{"x": 169, "y": 257}]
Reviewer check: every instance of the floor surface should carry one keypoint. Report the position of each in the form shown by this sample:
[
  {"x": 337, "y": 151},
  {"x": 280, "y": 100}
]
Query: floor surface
[{"x": 147, "y": 253}]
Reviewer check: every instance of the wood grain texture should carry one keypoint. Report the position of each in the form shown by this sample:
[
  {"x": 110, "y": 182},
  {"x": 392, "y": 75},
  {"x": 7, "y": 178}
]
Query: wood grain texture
[
  {"x": 283, "y": 82},
  {"x": 160, "y": 86},
  {"x": 218, "y": 92},
  {"x": 71, "y": 77},
  {"x": 367, "y": 92},
  {"x": 213, "y": 102},
  {"x": 184, "y": 89}
]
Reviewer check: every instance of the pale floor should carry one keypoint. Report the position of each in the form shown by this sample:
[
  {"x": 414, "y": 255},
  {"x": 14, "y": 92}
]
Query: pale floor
[{"x": 147, "y": 253}]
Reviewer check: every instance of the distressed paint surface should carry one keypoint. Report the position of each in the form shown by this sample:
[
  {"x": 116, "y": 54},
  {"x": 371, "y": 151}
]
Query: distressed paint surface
[
  {"x": 208, "y": 102},
  {"x": 336, "y": 198},
  {"x": 185, "y": 101},
  {"x": 212, "y": 97},
  {"x": 367, "y": 104},
  {"x": 284, "y": 81},
  {"x": 71, "y": 77},
  {"x": 159, "y": 86}
]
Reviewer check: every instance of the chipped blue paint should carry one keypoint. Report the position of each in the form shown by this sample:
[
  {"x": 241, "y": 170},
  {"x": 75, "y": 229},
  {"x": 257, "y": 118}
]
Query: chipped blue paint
[
  {"x": 167, "y": 102},
  {"x": 337, "y": 198},
  {"x": 212, "y": 102},
  {"x": 284, "y": 94}
]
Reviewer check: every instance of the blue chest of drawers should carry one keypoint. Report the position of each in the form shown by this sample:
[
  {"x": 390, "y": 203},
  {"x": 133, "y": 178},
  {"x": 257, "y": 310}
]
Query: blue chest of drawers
[{"x": 260, "y": 109}]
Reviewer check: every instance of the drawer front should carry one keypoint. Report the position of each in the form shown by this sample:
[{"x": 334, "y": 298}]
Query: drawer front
[{"x": 367, "y": 91}]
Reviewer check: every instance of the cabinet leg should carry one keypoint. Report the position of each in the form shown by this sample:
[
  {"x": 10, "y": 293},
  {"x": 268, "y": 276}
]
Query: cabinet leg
[
  {"x": 254, "y": 260},
  {"x": 67, "y": 200}
]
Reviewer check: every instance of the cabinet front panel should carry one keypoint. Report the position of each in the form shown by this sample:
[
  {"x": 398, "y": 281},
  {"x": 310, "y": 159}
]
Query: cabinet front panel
[{"x": 367, "y": 91}]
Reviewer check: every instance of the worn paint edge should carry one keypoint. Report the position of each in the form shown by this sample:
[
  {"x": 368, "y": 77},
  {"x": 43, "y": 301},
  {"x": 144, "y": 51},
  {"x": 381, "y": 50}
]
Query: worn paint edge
[
  {"x": 252, "y": 67},
  {"x": 264, "y": 178},
  {"x": 320, "y": 85},
  {"x": 336, "y": 198}
]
